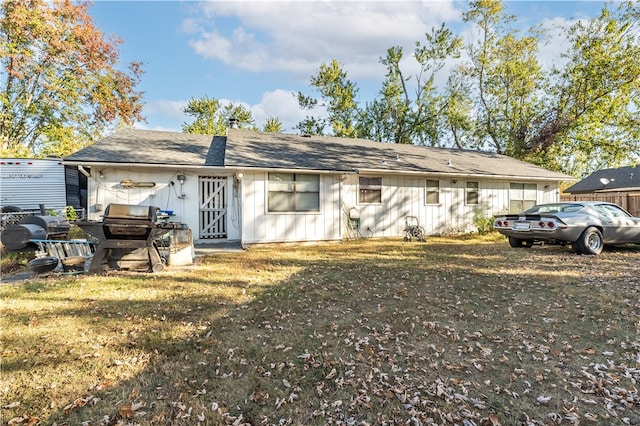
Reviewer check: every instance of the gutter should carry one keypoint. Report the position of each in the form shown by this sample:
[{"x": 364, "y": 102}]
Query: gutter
[
  {"x": 232, "y": 169},
  {"x": 470, "y": 175}
]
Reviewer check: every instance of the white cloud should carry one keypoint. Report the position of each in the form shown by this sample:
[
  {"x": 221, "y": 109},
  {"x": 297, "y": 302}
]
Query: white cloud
[
  {"x": 281, "y": 104},
  {"x": 298, "y": 36},
  {"x": 549, "y": 54},
  {"x": 167, "y": 112}
]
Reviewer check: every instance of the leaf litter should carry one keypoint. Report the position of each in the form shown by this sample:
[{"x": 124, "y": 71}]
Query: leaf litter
[{"x": 361, "y": 333}]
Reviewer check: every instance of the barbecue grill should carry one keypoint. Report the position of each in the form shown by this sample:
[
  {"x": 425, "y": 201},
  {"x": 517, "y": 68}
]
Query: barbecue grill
[
  {"x": 127, "y": 238},
  {"x": 18, "y": 237}
]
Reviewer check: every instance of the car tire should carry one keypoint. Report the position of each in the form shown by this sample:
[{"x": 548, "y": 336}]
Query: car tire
[
  {"x": 517, "y": 243},
  {"x": 590, "y": 242}
]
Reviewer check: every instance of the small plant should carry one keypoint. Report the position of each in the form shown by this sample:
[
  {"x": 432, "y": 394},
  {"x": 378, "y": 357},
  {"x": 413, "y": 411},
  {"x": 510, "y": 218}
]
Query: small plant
[
  {"x": 483, "y": 223},
  {"x": 71, "y": 214}
]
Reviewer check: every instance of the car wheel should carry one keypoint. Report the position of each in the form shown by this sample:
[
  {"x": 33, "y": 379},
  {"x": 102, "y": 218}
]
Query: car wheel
[
  {"x": 590, "y": 242},
  {"x": 518, "y": 243}
]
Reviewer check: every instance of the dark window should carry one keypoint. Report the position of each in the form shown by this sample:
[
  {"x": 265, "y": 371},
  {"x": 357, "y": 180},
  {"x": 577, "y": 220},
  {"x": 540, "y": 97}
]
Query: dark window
[
  {"x": 289, "y": 192},
  {"x": 370, "y": 190}
]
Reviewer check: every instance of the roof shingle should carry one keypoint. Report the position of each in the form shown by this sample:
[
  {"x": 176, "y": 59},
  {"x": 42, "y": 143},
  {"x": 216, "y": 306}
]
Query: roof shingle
[
  {"x": 623, "y": 178},
  {"x": 259, "y": 150}
]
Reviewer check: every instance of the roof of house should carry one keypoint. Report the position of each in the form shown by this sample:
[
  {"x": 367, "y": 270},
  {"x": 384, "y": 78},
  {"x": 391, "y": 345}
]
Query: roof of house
[
  {"x": 258, "y": 150},
  {"x": 153, "y": 147},
  {"x": 620, "y": 179}
]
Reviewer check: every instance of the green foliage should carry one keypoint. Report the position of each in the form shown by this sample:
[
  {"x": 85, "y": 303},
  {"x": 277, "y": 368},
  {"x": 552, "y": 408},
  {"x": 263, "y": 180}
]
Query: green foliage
[
  {"x": 483, "y": 223},
  {"x": 70, "y": 213},
  {"x": 211, "y": 118},
  {"x": 273, "y": 125},
  {"x": 338, "y": 99},
  {"x": 576, "y": 117},
  {"x": 61, "y": 86}
]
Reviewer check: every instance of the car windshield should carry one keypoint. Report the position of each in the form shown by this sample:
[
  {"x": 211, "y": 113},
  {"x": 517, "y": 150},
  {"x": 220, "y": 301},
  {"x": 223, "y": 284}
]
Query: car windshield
[{"x": 554, "y": 208}]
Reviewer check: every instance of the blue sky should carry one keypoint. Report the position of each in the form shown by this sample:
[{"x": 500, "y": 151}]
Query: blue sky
[{"x": 258, "y": 52}]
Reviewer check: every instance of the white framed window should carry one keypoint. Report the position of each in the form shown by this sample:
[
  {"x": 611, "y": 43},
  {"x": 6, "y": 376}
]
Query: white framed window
[
  {"x": 433, "y": 191},
  {"x": 293, "y": 192},
  {"x": 472, "y": 196},
  {"x": 522, "y": 196},
  {"x": 370, "y": 190}
]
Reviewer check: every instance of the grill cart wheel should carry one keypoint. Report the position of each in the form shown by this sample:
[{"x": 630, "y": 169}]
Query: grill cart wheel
[{"x": 41, "y": 265}]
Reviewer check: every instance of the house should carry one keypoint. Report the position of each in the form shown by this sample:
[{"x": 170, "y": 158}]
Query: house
[
  {"x": 623, "y": 179},
  {"x": 618, "y": 185},
  {"x": 256, "y": 187}
]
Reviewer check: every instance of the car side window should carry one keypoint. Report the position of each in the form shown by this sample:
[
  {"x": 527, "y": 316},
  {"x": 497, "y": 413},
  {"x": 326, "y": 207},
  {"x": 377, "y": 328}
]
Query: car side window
[
  {"x": 572, "y": 208},
  {"x": 602, "y": 211},
  {"x": 614, "y": 211}
]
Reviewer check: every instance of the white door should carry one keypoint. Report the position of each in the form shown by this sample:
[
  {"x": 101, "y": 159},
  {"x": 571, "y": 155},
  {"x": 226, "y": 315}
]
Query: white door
[{"x": 213, "y": 207}]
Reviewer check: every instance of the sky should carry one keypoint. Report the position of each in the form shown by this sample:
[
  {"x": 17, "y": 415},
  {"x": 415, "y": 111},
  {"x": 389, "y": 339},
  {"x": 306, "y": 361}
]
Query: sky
[{"x": 259, "y": 53}]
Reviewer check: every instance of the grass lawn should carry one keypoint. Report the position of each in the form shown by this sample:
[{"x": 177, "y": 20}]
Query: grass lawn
[{"x": 453, "y": 331}]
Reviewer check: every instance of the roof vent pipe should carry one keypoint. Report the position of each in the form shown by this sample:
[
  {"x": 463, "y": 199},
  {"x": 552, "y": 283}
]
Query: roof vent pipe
[{"x": 233, "y": 123}]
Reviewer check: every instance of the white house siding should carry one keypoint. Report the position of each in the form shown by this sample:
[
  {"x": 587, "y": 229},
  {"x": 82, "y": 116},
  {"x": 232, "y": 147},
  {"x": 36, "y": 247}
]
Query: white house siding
[
  {"x": 249, "y": 221},
  {"x": 104, "y": 188},
  {"x": 404, "y": 196},
  {"x": 260, "y": 226}
]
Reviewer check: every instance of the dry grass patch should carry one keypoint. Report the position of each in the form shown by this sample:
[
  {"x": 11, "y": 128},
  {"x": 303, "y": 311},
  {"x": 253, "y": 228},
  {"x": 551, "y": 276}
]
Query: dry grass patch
[{"x": 454, "y": 331}]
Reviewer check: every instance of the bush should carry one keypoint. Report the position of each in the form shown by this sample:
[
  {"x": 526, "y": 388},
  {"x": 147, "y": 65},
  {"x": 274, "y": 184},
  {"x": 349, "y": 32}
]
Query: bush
[
  {"x": 483, "y": 223},
  {"x": 71, "y": 214}
]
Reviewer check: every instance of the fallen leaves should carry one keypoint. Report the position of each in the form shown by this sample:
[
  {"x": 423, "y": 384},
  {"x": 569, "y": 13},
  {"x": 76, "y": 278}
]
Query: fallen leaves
[{"x": 373, "y": 334}]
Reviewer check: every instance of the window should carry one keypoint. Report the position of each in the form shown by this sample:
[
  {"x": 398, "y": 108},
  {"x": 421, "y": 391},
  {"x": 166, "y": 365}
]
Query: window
[
  {"x": 472, "y": 193},
  {"x": 433, "y": 192},
  {"x": 370, "y": 190},
  {"x": 522, "y": 196},
  {"x": 294, "y": 192}
]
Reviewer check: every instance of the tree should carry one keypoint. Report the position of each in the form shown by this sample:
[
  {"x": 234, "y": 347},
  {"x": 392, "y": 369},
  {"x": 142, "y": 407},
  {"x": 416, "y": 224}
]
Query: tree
[
  {"x": 504, "y": 79},
  {"x": 273, "y": 125},
  {"x": 577, "y": 117},
  {"x": 592, "y": 118},
  {"x": 398, "y": 115},
  {"x": 61, "y": 88},
  {"x": 211, "y": 118},
  {"x": 338, "y": 98},
  {"x": 408, "y": 119},
  {"x": 580, "y": 115}
]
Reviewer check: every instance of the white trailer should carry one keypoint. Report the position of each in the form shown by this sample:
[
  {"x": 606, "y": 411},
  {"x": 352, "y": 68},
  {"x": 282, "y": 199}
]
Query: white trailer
[{"x": 27, "y": 183}]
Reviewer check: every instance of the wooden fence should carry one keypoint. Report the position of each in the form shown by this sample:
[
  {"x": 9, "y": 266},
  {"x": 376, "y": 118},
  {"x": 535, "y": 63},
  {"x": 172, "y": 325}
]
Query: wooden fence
[{"x": 630, "y": 201}]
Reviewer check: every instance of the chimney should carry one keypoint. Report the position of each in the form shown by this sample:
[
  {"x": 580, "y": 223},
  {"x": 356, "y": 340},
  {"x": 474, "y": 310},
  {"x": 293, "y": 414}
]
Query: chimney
[{"x": 233, "y": 123}]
